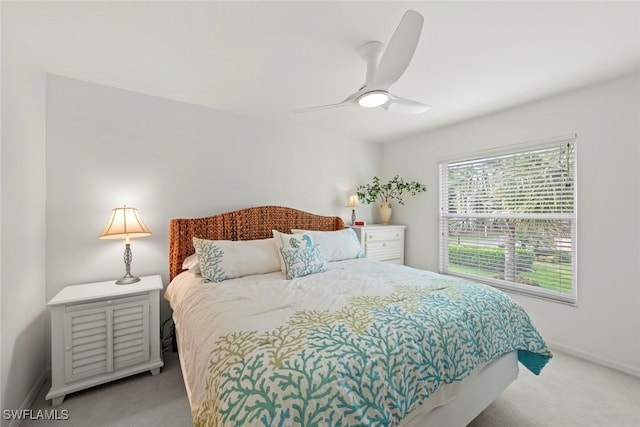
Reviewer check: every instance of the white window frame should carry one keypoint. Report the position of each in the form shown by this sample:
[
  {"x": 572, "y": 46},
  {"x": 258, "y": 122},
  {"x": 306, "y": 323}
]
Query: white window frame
[{"x": 445, "y": 216}]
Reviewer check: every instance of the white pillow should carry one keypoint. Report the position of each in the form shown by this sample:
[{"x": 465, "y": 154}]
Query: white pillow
[
  {"x": 191, "y": 263},
  {"x": 336, "y": 245},
  {"x": 284, "y": 240},
  {"x": 226, "y": 259}
]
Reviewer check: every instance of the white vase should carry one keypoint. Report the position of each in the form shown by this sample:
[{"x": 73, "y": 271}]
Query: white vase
[{"x": 385, "y": 212}]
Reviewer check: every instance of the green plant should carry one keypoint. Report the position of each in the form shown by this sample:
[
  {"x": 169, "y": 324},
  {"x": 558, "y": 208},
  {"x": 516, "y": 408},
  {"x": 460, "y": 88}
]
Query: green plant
[
  {"x": 490, "y": 259},
  {"x": 394, "y": 189}
]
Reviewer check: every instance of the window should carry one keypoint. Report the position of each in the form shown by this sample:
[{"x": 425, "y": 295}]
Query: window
[{"x": 509, "y": 219}]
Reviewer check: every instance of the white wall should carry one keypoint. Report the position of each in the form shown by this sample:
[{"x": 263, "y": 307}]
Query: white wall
[
  {"x": 22, "y": 277},
  {"x": 605, "y": 325},
  {"x": 107, "y": 147}
]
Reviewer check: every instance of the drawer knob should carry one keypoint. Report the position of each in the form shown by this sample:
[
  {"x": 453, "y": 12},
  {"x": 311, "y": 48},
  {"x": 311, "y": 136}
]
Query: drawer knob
[{"x": 384, "y": 243}]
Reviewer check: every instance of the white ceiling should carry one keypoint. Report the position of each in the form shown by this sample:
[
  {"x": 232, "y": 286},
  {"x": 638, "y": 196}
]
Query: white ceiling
[{"x": 264, "y": 59}]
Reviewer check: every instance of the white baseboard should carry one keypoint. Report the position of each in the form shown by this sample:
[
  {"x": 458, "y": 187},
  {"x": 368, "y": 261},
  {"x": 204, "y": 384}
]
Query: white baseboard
[
  {"x": 595, "y": 359},
  {"x": 31, "y": 396}
]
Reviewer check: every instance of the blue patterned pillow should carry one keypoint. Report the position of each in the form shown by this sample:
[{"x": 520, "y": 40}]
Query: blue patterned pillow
[
  {"x": 284, "y": 240},
  {"x": 210, "y": 257},
  {"x": 302, "y": 261},
  {"x": 220, "y": 260}
]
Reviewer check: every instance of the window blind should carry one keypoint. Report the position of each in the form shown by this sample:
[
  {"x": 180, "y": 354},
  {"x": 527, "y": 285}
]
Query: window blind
[{"x": 509, "y": 219}]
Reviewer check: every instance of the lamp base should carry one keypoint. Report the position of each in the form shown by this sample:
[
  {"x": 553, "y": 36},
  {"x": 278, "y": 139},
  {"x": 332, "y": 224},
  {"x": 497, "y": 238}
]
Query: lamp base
[{"x": 127, "y": 279}]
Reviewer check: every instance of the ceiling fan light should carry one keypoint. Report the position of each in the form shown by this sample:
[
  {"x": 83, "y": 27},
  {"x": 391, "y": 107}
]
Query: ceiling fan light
[{"x": 373, "y": 99}]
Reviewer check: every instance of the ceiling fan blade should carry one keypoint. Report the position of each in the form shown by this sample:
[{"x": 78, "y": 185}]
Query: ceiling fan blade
[
  {"x": 350, "y": 101},
  {"x": 405, "y": 106},
  {"x": 399, "y": 52},
  {"x": 323, "y": 107}
]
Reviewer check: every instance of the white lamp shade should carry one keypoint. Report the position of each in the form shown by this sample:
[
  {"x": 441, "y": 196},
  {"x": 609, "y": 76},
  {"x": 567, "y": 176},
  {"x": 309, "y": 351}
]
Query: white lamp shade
[
  {"x": 353, "y": 202},
  {"x": 125, "y": 223}
]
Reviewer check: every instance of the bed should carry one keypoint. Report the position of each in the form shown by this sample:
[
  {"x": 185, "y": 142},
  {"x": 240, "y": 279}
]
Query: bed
[{"x": 283, "y": 342}]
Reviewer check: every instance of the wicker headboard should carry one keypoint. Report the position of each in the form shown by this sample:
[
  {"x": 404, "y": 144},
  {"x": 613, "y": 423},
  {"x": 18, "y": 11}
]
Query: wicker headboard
[{"x": 244, "y": 224}]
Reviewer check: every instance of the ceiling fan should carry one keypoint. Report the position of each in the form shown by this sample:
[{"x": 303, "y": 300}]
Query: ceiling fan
[{"x": 383, "y": 70}]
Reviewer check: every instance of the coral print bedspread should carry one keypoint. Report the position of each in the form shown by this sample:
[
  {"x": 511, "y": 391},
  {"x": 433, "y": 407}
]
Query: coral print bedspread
[{"x": 362, "y": 344}]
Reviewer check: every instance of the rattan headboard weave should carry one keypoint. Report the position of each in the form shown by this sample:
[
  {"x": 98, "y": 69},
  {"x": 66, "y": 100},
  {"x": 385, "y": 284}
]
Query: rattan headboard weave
[{"x": 244, "y": 224}]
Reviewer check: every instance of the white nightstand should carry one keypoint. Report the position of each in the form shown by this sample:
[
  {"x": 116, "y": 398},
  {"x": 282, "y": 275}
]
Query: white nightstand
[
  {"x": 101, "y": 332},
  {"x": 382, "y": 242}
]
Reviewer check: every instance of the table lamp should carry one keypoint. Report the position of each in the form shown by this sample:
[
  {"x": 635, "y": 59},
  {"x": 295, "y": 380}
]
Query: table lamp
[
  {"x": 125, "y": 223},
  {"x": 352, "y": 203}
]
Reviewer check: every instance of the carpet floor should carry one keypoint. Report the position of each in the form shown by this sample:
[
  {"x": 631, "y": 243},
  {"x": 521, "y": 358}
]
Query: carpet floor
[{"x": 569, "y": 392}]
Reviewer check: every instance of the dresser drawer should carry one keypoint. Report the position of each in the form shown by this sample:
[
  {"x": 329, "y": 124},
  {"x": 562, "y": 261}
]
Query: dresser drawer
[
  {"x": 383, "y": 251},
  {"x": 382, "y": 242},
  {"x": 382, "y": 235}
]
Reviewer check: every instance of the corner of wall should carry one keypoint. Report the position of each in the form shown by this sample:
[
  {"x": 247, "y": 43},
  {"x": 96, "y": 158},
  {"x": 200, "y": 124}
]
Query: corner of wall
[{"x": 22, "y": 222}]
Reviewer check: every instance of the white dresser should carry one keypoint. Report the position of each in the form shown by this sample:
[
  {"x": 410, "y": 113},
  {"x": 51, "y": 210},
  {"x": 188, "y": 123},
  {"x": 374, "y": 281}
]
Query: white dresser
[
  {"x": 382, "y": 242},
  {"x": 101, "y": 332}
]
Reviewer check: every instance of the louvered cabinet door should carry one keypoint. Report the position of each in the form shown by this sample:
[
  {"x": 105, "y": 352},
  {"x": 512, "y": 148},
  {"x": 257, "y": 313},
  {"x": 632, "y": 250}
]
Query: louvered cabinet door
[
  {"x": 130, "y": 333},
  {"x": 86, "y": 343}
]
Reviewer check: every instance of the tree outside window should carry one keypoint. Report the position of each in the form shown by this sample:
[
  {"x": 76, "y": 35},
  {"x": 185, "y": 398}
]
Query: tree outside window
[{"x": 509, "y": 219}]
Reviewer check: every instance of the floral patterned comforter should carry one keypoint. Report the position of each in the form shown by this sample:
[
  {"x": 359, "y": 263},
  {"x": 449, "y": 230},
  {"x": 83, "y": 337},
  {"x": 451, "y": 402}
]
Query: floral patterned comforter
[{"x": 362, "y": 344}]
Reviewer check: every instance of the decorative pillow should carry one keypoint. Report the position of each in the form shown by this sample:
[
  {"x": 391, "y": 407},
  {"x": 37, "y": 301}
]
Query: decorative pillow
[
  {"x": 284, "y": 240},
  {"x": 225, "y": 259},
  {"x": 303, "y": 261},
  {"x": 191, "y": 263},
  {"x": 336, "y": 245}
]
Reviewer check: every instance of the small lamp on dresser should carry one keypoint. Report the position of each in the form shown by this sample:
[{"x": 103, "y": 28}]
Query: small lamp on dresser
[
  {"x": 125, "y": 223},
  {"x": 353, "y": 203}
]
